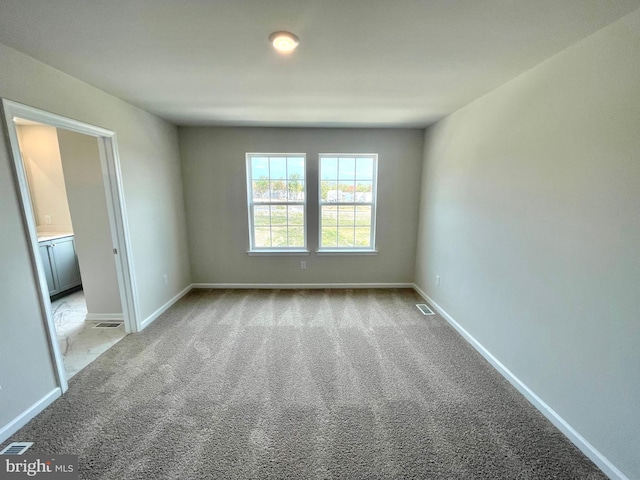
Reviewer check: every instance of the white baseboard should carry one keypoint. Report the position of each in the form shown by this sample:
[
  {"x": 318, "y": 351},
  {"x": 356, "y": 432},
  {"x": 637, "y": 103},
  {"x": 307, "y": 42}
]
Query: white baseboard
[
  {"x": 301, "y": 285},
  {"x": 25, "y": 417},
  {"x": 104, "y": 317},
  {"x": 147, "y": 321},
  {"x": 578, "y": 440}
]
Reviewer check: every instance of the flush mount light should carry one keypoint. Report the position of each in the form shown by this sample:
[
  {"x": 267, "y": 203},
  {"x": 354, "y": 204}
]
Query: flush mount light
[{"x": 284, "y": 42}]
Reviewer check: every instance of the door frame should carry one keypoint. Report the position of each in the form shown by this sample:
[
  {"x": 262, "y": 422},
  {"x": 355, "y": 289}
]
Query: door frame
[{"x": 112, "y": 178}]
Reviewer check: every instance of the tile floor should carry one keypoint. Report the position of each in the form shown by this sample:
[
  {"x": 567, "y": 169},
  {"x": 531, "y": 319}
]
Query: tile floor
[{"x": 80, "y": 343}]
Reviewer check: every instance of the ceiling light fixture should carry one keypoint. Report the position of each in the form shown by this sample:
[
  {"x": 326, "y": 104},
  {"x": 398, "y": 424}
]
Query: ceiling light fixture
[{"x": 284, "y": 42}]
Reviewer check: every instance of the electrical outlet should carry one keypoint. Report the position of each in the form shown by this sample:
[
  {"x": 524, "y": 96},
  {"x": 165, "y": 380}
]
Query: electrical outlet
[
  {"x": 165, "y": 279},
  {"x": 47, "y": 219},
  {"x": 438, "y": 280},
  {"x": 303, "y": 265}
]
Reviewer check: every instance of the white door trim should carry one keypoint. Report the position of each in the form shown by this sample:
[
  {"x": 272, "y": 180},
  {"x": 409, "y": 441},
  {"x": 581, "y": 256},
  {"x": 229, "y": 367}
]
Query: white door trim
[{"x": 110, "y": 163}]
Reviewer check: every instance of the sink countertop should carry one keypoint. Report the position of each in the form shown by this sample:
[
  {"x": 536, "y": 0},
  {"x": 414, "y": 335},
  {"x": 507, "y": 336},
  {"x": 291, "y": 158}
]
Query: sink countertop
[{"x": 43, "y": 237}]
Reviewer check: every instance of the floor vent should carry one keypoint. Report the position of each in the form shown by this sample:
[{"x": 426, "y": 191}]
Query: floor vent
[
  {"x": 107, "y": 325},
  {"x": 16, "y": 448},
  {"x": 424, "y": 308}
]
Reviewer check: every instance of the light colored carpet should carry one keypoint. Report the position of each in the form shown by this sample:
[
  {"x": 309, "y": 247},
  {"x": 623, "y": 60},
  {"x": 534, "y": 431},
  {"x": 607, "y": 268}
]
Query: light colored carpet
[{"x": 236, "y": 384}]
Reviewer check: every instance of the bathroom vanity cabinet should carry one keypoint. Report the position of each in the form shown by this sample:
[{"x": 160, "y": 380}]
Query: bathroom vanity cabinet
[{"x": 60, "y": 263}]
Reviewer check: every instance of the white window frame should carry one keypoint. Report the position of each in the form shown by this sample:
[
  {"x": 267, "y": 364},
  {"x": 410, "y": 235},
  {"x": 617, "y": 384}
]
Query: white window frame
[
  {"x": 253, "y": 250},
  {"x": 371, "y": 249}
]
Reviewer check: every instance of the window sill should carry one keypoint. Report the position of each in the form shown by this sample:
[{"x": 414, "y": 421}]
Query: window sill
[
  {"x": 346, "y": 252},
  {"x": 275, "y": 253}
]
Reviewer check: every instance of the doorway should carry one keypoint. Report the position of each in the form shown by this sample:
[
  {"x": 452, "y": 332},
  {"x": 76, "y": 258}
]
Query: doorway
[{"x": 115, "y": 232}]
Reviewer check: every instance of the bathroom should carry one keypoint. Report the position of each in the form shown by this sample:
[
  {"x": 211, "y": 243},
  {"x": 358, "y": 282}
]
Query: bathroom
[{"x": 68, "y": 206}]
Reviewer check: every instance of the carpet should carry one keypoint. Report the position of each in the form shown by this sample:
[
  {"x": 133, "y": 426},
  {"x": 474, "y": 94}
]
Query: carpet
[{"x": 308, "y": 384}]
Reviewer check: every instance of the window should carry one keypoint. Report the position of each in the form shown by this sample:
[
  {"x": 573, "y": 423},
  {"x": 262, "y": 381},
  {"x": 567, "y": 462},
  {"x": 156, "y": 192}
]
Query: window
[
  {"x": 276, "y": 194},
  {"x": 348, "y": 202}
]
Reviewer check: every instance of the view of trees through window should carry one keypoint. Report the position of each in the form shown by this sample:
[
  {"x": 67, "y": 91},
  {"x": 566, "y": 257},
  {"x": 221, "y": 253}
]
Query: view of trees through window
[
  {"x": 277, "y": 201},
  {"x": 276, "y": 186},
  {"x": 347, "y": 201}
]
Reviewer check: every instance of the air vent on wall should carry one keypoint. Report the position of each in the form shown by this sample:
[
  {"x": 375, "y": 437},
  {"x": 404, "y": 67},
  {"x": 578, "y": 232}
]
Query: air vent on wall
[
  {"x": 107, "y": 325},
  {"x": 16, "y": 448},
  {"x": 424, "y": 308}
]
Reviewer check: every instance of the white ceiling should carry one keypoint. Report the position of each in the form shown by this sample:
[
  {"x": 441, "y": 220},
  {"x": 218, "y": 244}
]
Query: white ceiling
[{"x": 383, "y": 63}]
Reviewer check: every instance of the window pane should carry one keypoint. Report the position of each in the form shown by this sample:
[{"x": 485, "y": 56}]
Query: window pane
[
  {"x": 296, "y": 236},
  {"x": 346, "y": 191},
  {"x": 278, "y": 168},
  {"x": 364, "y": 192},
  {"x": 261, "y": 215},
  {"x": 296, "y": 215},
  {"x": 346, "y": 168},
  {"x": 346, "y": 216},
  {"x": 329, "y": 215},
  {"x": 295, "y": 186},
  {"x": 328, "y": 191},
  {"x": 259, "y": 167},
  {"x": 295, "y": 167},
  {"x": 345, "y": 237},
  {"x": 363, "y": 237},
  {"x": 364, "y": 168},
  {"x": 329, "y": 237},
  {"x": 260, "y": 189},
  {"x": 278, "y": 190},
  {"x": 278, "y": 215},
  {"x": 262, "y": 237},
  {"x": 363, "y": 216},
  {"x": 278, "y": 236},
  {"x": 329, "y": 168}
]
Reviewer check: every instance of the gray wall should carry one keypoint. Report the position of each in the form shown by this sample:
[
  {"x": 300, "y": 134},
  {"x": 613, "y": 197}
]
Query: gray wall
[
  {"x": 213, "y": 161},
  {"x": 530, "y": 214},
  {"x": 153, "y": 194},
  {"x": 88, "y": 205}
]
